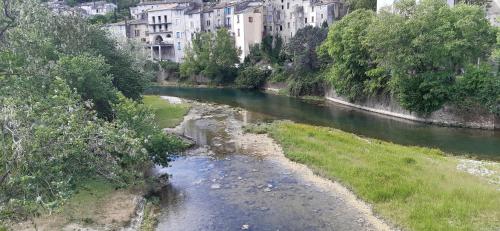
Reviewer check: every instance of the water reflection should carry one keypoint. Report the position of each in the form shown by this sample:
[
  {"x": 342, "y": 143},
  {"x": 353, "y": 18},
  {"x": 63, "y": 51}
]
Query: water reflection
[{"x": 480, "y": 143}]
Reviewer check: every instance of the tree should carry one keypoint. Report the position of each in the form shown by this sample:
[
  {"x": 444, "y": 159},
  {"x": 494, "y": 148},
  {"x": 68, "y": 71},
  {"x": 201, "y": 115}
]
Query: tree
[
  {"x": 427, "y": 47},
  {"x": 55, "y": 71},
  {"x": 361, "y": 4},
  {"x": 212, "y": 56},
  {"x": 301, "y": 51},
  {"x": 346, "y": 46},
  {"x": 88, "y": 75}
]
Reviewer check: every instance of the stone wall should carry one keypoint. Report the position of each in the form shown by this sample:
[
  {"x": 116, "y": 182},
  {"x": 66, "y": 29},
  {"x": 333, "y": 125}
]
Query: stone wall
[
  {"x": 448, "y": 115},
  {"x": 276, "y": 87}
]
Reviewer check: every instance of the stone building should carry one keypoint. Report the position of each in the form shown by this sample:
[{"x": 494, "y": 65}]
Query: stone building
[
  {"x": 97, "y": 8},
  {"x": 286, "y": 17}
]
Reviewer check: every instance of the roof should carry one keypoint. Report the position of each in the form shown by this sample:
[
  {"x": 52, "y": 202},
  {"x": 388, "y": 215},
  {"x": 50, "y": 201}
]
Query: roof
[
  {"x": 247, "y": 5},
  {"x": 163, "y": 2},
  {"x": 138, "y": 21}
]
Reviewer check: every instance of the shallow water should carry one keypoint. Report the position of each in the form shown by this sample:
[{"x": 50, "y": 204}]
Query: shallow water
[
  {"x": 217, "y": 186},
  {"x": 479, "y": 143}
]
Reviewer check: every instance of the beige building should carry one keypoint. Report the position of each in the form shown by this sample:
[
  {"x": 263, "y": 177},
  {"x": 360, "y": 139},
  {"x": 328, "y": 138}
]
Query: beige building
[
  {"x": 247, "y": 26},
  {"x": 286, "y": 17}
]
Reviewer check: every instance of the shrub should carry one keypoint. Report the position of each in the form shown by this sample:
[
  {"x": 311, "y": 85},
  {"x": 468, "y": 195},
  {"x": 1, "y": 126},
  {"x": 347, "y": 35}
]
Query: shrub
[{"x": 251, "y": 77}]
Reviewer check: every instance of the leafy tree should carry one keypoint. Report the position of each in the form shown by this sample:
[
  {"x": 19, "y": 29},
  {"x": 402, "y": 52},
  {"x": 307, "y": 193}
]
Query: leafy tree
[
  {"x": 88, "y": 75},
  {"x": 212, "y": 56},
  {"x": 351, "y": 59},
  {"x": 425, "y": 49},
  {"x": 301, "y": 51},
  {"x": 54, "y": 72},
  {"x": 362, "y": 4},
  {"x": 271, "y": 48}
]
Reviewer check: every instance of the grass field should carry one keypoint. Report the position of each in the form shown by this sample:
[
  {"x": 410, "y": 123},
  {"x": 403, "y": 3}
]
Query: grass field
[
  {"x": 166, "y": 114},
  {"x": 412, "y": 187}
]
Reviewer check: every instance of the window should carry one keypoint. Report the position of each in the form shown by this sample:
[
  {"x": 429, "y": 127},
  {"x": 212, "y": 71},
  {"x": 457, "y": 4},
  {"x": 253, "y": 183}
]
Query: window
[
  {"x": 321, "y": 16},
  {"x": 154, "y": 28},
  {"x": 312, "y": 19},
  {"x": 237, "y": 18},
  {"x": 282, "y": 7},
  {"x": 288, "y": 5},
  {"x": 137, "y": 33},
  {"x": 159, "y": 19},
  {"x": 177, "y": 22},
  {"x": 312, "y": 8},
  {"x": 270, "y": 28},
  {"x": 178, "y": 45},
  {"x": 281, "y": 28},
  {"x": 288, "y": 25},
  {"x": 208, "y": 22},
  {"x": 178, "y": 34},
  {"x": 305, "y": 20},
  {"x": 153, "y": 19},
  {"x": 192, "y": 24},
  {"x": 250, "y": 19},
  {"x": 159, "y": 27},
  {"x": 238, "y": 32},
  {"x": 165, "y": 18}
]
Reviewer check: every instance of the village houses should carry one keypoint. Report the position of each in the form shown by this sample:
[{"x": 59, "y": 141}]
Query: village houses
[{"x": 166, "y": 28}]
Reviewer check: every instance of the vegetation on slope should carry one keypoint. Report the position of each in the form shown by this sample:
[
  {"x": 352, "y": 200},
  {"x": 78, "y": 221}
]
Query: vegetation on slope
[
  {"x": 416, "y": 188},
  {"x": 70, "y": 111}
]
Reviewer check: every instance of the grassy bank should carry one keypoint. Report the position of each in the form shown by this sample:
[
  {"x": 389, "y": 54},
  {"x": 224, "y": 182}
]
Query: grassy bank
[
  {"x": 415, "y": 188},
  {"x": 166, "y": 114}
]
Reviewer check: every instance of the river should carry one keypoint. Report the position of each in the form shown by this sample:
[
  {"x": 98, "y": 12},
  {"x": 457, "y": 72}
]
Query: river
[
  {"x": 233, "y": 180},
  {"x": 483, "y": 144}
]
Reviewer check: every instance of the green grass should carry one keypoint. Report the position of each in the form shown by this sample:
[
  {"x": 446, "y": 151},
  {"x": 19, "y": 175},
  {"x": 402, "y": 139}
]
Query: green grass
[
  {"x": 413, "y": 187},
  {"x": 82, "y": 205},
  {"x": 167, "y": 115}
]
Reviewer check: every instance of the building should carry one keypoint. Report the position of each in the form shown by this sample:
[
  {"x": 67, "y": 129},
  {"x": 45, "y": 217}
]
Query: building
[
  {"x": 166, "y": 28},
  {"x": 171, "y": 29},
  {"x": 118, "y": 31},
  {"x": 286, "y": 17},
  {"x": 247, "y": 26},
  {"x": 493, "y": 12},
  {"x": 97, "y": 8}
]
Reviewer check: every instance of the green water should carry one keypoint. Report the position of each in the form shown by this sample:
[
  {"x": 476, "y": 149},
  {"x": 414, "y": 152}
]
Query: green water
[{"x": 483, "y": 144}]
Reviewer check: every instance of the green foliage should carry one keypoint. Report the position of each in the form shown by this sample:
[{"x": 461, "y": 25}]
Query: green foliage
[
  {"x": 212, "y": 56},
  {"x": 251, "y": 77},
  {"x": 55, "y": 71},
  {"x": 478, "y": 85},
  {"x": 362, "y": 4},
  {"x": 351, "y": 59},
  {"x": 88, "y": 75},
  {"x": 271, "y": 48},
  {"x": 415, "y": 54}
]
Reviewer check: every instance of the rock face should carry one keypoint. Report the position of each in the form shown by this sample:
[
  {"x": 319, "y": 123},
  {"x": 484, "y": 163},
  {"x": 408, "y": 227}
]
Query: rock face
[{"x": 447, "y": 116}]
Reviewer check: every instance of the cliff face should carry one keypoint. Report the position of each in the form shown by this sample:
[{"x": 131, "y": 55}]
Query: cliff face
[{"x": 448, "y": 115}]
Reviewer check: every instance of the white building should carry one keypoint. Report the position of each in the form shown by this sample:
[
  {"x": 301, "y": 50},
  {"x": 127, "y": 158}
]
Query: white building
[
  {"x": 286, "y": 17},
  {"x": 118, "y": 31},
  {"x": 97, "y": 8},
  {"x": 171, "y": 28},
  {"x": 247, "y": 26}
]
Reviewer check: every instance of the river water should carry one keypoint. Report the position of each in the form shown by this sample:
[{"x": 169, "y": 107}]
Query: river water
[
  {"x": 482, "y": 144},
  {"x": 233, "y": 180}
]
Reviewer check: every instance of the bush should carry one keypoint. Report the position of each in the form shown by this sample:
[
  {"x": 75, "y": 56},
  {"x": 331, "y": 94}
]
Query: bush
[
  {"x": 251, "y": 77},
  {"x": 478, "y": 85}
]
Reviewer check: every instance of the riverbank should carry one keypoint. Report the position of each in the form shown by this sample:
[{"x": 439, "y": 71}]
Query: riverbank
[
  {"x": 99, "y": 205},
  {"x": 416, "y": 188}
]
